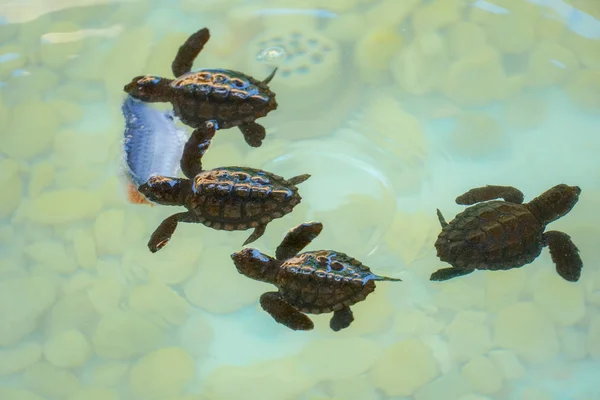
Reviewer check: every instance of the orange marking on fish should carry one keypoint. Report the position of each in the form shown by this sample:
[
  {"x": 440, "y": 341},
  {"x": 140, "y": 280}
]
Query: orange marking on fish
[{"x": 135, "y": 197}]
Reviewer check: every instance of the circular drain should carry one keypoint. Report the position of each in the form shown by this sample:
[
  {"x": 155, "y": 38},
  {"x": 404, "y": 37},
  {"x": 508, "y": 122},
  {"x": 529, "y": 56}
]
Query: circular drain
[{"x": 346, "y": 192}]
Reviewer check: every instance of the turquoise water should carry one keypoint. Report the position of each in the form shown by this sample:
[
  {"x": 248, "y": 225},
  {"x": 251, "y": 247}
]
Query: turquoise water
[{"x": 395, "y": 108}]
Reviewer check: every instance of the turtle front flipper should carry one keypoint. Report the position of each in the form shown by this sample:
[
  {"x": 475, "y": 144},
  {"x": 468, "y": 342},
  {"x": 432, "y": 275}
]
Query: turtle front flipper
[
  {"x": 284, "y": 313},
  {"x": 258, "y": 232},
  {"x": 253, "y": 133},
  {"x": 565, "y": 255},
  {"x": 448, "y": 273},
  {"x": 341, "y": 319},
  {"x": 188, "y": 51},
  {"x": 490, "y": 192},
  {"x": 161, "y": 235},
  {"x": 297, "y": 238},
  {"x": 194, "y": 149}
]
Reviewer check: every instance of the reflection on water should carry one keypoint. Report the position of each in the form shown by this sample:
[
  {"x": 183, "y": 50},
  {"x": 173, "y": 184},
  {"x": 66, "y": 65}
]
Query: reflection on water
[{"x": 395, "y": 108}]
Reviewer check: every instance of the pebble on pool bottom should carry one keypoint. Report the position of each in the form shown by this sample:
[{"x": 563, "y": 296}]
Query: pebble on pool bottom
[{"x": 161, "y": 374}]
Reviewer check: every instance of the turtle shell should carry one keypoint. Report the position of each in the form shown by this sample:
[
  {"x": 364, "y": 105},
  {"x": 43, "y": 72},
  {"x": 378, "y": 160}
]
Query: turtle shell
[
  {"x": 322, "y": 281},
  {"x": 492, "y": 235},
  {"x": 229, "y": 97},
  {"x": 235, "y": 198}
]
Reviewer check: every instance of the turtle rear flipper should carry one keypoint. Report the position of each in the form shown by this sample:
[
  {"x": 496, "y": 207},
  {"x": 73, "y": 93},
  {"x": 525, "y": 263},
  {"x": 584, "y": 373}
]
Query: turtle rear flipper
[
  {"x": 297, "y": 238},
  {"x": 188, "y": 51},
  {"x": 161, "y": 235},
  {"x": 194, "y": 149},
  {"x": 448, "y": 273},
  {"x": 253, "y": 133},
  {"x": 258, "y": 232},
  {"x": 284, "y": 313},
  {"x": 490, "y": 192},
  {"x": 565, "y": 255},
  {"x": 341, "y": 319}
]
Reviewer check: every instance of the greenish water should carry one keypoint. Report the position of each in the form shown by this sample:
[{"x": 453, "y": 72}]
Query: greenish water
[{"x": 394, "y": 108}]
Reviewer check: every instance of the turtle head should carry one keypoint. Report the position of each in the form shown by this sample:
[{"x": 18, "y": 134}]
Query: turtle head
[
  {"x": 165, "y": 190},
  {"x": 149, "y": 88},
  {"x": 256, "y": 265},
  {"x": 555, "y": 202}
]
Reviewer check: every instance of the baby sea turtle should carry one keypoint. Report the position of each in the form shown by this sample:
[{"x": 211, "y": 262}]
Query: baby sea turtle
[
  {"x": 314, "y": 282},
  {"x": 500, "y": 235},
  {"x": 226, "y": 198},
  {"x": 228, "y": 97}
]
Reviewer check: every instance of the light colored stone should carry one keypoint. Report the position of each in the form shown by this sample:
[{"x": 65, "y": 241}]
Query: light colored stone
[
  {"x": 468, "y": 336},
  {"x": 449, "y": 386},
  {"x": 404, "y": 368},
  {"x": 526, "y": 111},
  {"x": 593, "y": 338},
  {"x": 18, "y": 394},
  {"x": 215, "y": 266},
  {"x": 267, "y": 380},
  {"x": 419, "y": 68},
  {"x": 73, "y": 311},
  {"x": 356, "y": 388},
  {"x": 474, "y": 397},
  {"x": 78, "y": 282},
  {"x": 109, "y": 374},
  {"x": 33, "y": 295},
  {"x": 196, "y": 335},
  {"x": 114, "y": 70},
  {"x": 13, "y": 58},
  {"x": 67, "y": 349},
  {"x": 373, "y": 52},
  {"x": 483, "y": 375},
  {"x": 464, "y": 38},
  {"x": 573, "y": 343},
  {"x": 175, "y": 262},
  {"x": 562, "y": 301},
  {"x": 550, "y": 64},
  {"x": 533, "y": 393},
  {"x": 105, "y": 295},
  {"x": 41, "y": 178},
  {"x": 39, "y": 131},
  {"x": 159, "y": 302},
  {"x": 584, "y": 89},
  {"x": 55, "y": 53},
  {"x": 109, "y": 231},
  {"x": 460, "y": 295},
  {"x": 327, "y": 356},
  {"x": 414, "y": 322},
  {"x": 53, "y": 254},
  {"x": 48, "y": 380},
  {"x": 94, "y": 394},
  {"x": 75, "y": 148},
  {"x": 10, "y": 180},
  {"x": 508, "y": 364},
  {"x": 504, "y": 288},
  {"x": 126, "y": 334},
  {"x": 69, "y": 111},
  {"x": 523, "y": 328},
  {"x": 161, "y": 373},
  {"x": 478, "y": 79},
  {"x": 13, "y": 360},
  {"x": 64, "y": 206},
  {"x": 85, "y": 248}
]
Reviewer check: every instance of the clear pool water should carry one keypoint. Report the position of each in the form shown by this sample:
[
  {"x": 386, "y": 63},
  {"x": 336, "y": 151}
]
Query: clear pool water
[{"x": 394, "y": 107}]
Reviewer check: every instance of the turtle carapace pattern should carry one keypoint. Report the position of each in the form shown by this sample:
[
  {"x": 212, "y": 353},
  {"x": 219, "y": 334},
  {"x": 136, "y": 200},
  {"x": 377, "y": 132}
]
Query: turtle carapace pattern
[
  {"x": 231, "y": 98},
  {"x": 503, "y": 234},
  {"x": 313, "y": 282},
  {"x": 226, "y": 198}
]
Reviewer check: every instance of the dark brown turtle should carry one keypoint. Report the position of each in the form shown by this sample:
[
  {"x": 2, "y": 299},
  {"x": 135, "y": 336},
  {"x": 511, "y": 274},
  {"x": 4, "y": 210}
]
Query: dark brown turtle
[
  {"x": 500, "y": 235},
  {"x": 226, "y": 198},
  {"x": 230, "y": 98},
  {"x": 314, "y": 282}
]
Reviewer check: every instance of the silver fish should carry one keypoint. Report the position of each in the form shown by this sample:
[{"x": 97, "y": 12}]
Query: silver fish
[{"x": 152, "y": 143}]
